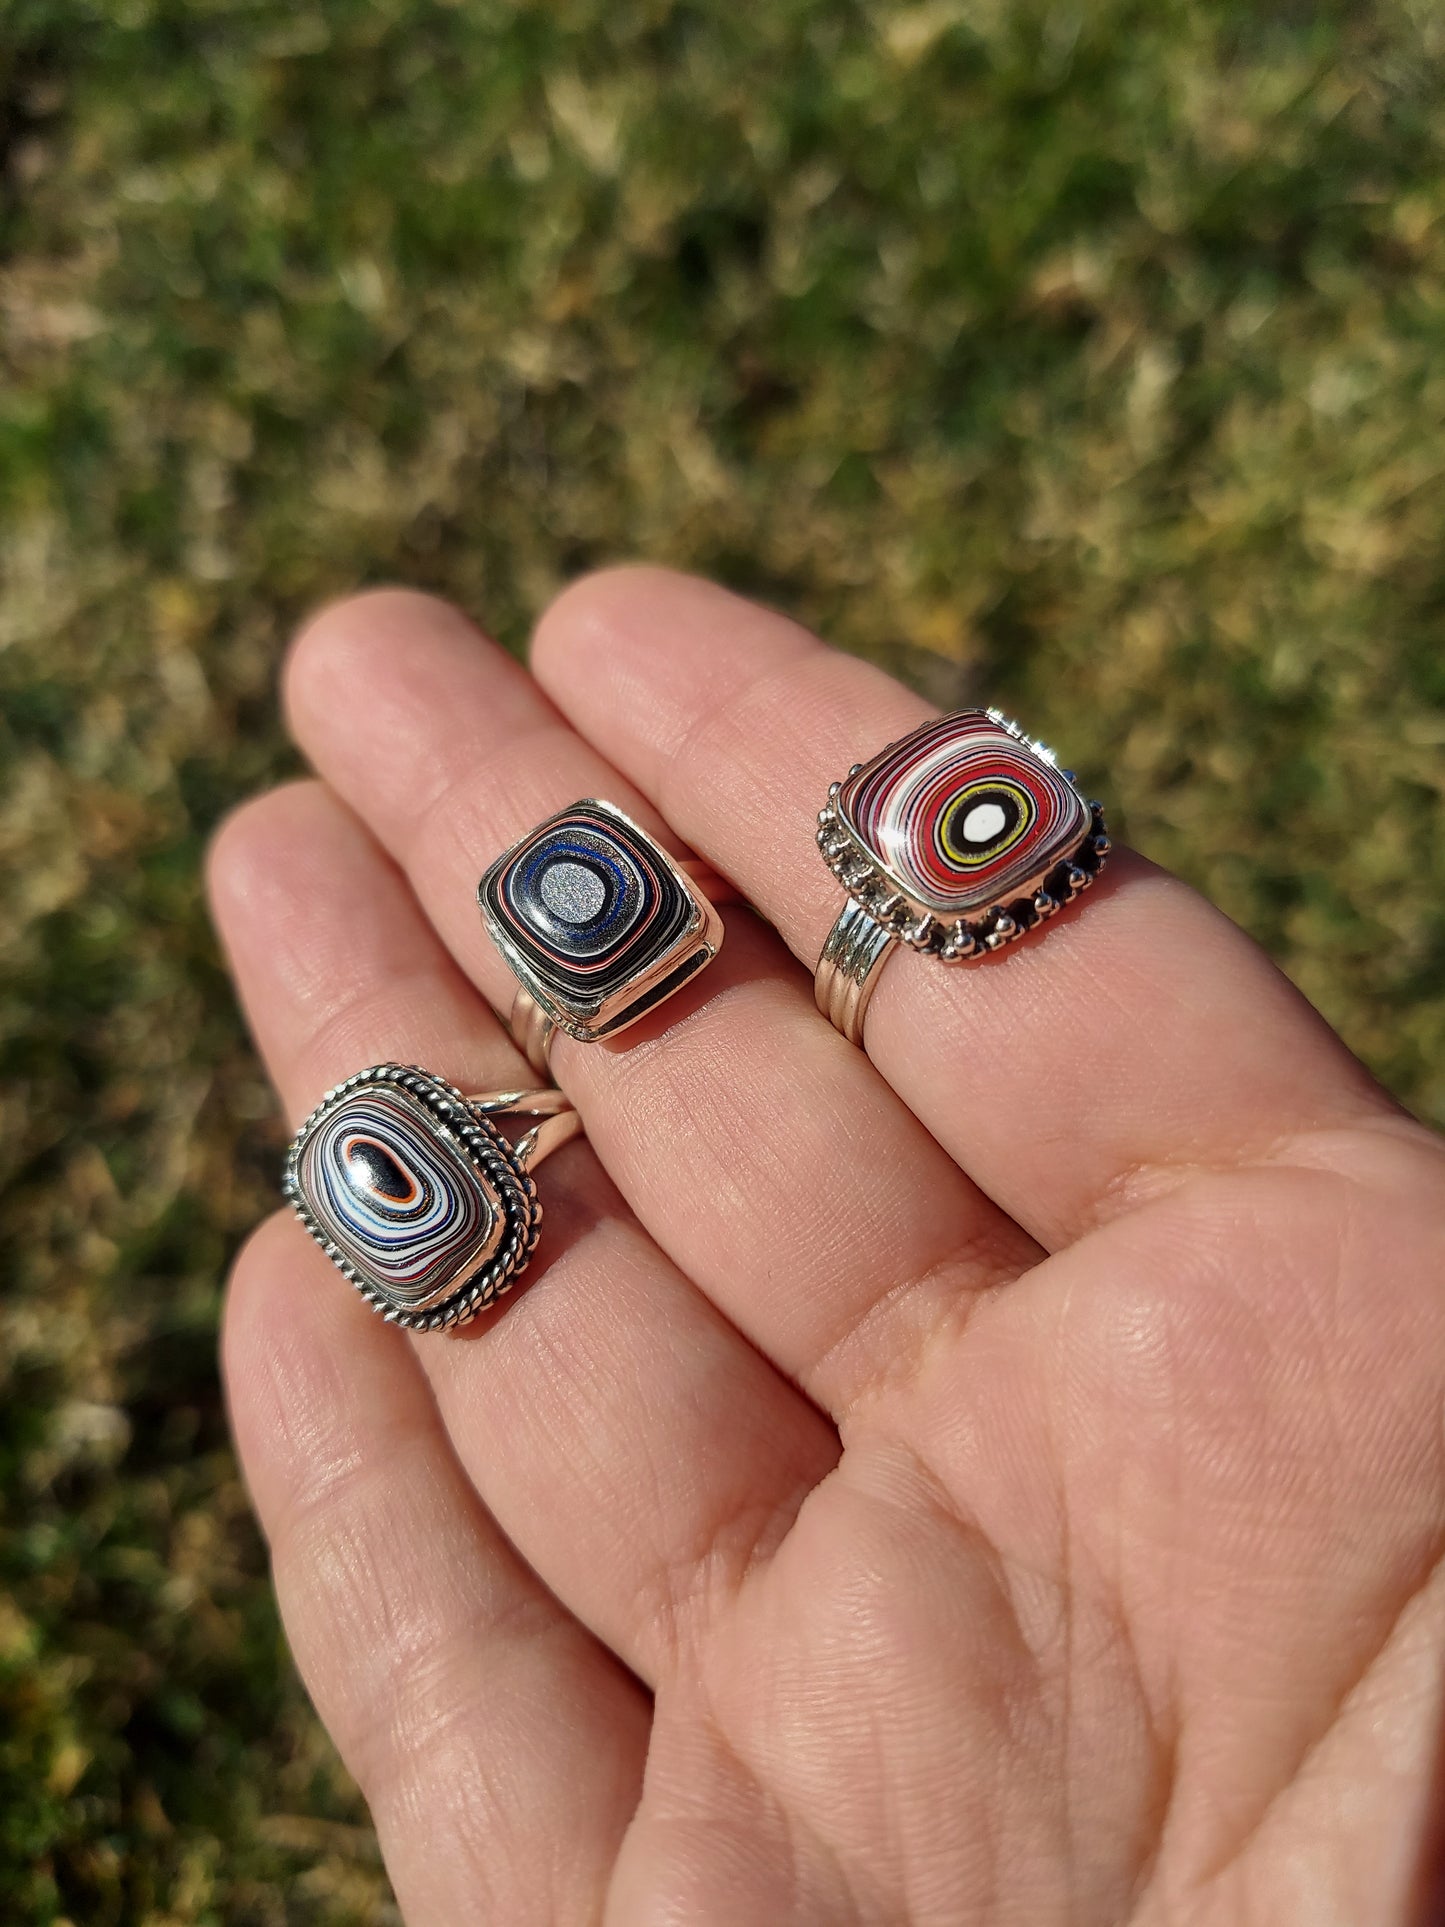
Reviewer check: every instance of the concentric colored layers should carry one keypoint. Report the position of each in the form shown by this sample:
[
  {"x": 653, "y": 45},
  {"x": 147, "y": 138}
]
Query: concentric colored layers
[
  {"x": 589, "y": 906},
  {"x": 396, "y": 1197},
  {"x": 963, "y": 814}
]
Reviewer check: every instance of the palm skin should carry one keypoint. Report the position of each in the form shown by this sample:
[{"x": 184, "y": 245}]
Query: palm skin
[
  {"x": 1126, "y": 1607},
  {"x": 1032, "y": 1517}
]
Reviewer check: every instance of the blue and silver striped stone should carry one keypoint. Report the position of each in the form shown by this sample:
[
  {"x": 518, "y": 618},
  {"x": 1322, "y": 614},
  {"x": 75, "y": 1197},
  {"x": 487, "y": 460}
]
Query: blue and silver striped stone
[{"x": 413, "y": 1194}]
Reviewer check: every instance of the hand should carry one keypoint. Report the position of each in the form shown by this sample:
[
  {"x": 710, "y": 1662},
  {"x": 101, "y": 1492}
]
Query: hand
[{"x": 1000, "y": 1481}]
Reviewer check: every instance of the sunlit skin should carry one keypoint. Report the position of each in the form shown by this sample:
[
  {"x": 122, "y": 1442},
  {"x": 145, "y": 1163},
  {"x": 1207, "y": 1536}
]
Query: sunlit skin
[{"x": 997, "y": 1479}]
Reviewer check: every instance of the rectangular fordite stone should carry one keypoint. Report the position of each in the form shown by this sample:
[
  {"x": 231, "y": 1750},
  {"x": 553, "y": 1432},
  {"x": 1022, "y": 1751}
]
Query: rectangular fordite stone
[
  {"x": 397, "y": 1196},
  {"x": 964, "y": 813},
  {"x": 594, "y": 919}
]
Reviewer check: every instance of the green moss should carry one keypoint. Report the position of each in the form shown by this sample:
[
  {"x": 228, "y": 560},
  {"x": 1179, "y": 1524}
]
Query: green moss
[{"x": 1090, "y": 358}]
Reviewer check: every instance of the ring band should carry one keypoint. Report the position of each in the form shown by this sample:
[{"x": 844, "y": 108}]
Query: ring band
[
  {"x": 598, "y": 924},
  {"x": 956, "y": 840},
  {"x": 853, "y": 955},
  {"x": 532, "y": 1031},
  {"x": 414, "y": 1194}
]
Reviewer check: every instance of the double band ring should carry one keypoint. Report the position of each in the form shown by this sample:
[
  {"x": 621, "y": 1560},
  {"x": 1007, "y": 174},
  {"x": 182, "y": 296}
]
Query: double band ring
[
  {"x": 598, "y": 924},
  {"x": 414, "y": 1194},
  {"x": 956, "y": 840}
]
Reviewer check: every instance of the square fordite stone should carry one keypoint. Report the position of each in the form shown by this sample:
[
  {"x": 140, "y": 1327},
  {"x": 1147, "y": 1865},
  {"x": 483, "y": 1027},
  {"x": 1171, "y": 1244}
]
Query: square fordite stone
[
  {"x": 964, "y": 814},
  {"x": 595, "y": 920}
]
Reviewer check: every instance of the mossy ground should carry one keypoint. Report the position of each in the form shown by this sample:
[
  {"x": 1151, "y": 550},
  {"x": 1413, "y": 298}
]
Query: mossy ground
[{"x": 1092, "y": 357}]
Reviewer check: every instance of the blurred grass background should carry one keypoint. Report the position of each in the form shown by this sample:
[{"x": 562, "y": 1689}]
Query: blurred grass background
[{"x": 1091, "y": 357}]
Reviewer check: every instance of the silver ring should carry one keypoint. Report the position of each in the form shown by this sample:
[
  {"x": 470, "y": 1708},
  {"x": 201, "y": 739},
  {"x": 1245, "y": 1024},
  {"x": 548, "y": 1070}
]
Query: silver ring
[
  {"x": 956, "y": 840},
  {"x": 414, "y": 1194},
  {"x": 598, "y": 924}
]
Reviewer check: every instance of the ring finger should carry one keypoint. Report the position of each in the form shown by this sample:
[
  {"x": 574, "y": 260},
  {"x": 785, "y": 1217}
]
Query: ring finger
[{"x": 473, "y": 1710}]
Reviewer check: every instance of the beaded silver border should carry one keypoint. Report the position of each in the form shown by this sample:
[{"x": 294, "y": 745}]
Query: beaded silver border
[
  {"x": 961, "y": 939},
  {"x": 477, "y": 1138}
]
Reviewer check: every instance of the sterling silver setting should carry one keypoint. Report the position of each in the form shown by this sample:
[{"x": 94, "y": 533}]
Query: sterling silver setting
[
  {"x": 443, "y": 1145},
  {"x": 598, "y": 924},
  {"x": 885, "y": 906}
]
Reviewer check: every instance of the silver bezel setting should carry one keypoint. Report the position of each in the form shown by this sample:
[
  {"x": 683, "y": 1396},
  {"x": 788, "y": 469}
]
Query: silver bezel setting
[
  {"x": 589, "y": 1020},
  {"x": 464, "y": 1129},
  {"x": 972, "y": 938}
]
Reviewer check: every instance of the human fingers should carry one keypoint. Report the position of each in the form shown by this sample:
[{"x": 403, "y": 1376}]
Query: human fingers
[
  {"x": 756, "y": 1147},
  {"x": 499, "y": 1746},
  {"x": 628, "y": 1442},
  {"x": 1143, "y": 1035}
]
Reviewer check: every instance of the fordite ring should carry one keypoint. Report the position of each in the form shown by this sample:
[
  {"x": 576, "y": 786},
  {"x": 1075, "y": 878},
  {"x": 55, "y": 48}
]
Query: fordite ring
[
  {"x": 956, "y": 840},
  {"x": 598, "y": 924},
  {"x": 413, "y": 1193}
]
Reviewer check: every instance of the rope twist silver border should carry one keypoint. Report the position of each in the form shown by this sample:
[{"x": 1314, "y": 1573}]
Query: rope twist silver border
[{"x": 464, "y": 1123}]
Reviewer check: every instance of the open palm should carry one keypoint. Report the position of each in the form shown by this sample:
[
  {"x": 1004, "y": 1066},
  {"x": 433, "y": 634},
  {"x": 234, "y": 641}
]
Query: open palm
[{"x": 1002, "y": 1480}]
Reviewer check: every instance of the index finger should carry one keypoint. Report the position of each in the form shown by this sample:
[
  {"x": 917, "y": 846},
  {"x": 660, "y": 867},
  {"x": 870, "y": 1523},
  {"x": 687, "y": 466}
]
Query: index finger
[{"x": 1142, "y": 1036}]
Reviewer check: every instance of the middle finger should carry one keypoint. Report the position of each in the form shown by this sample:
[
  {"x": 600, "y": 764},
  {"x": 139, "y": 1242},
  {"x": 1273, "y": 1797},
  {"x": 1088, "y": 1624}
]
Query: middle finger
[
  {"x": 637, "y": 1453},
  {"x": 764, "y": 1154}
]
